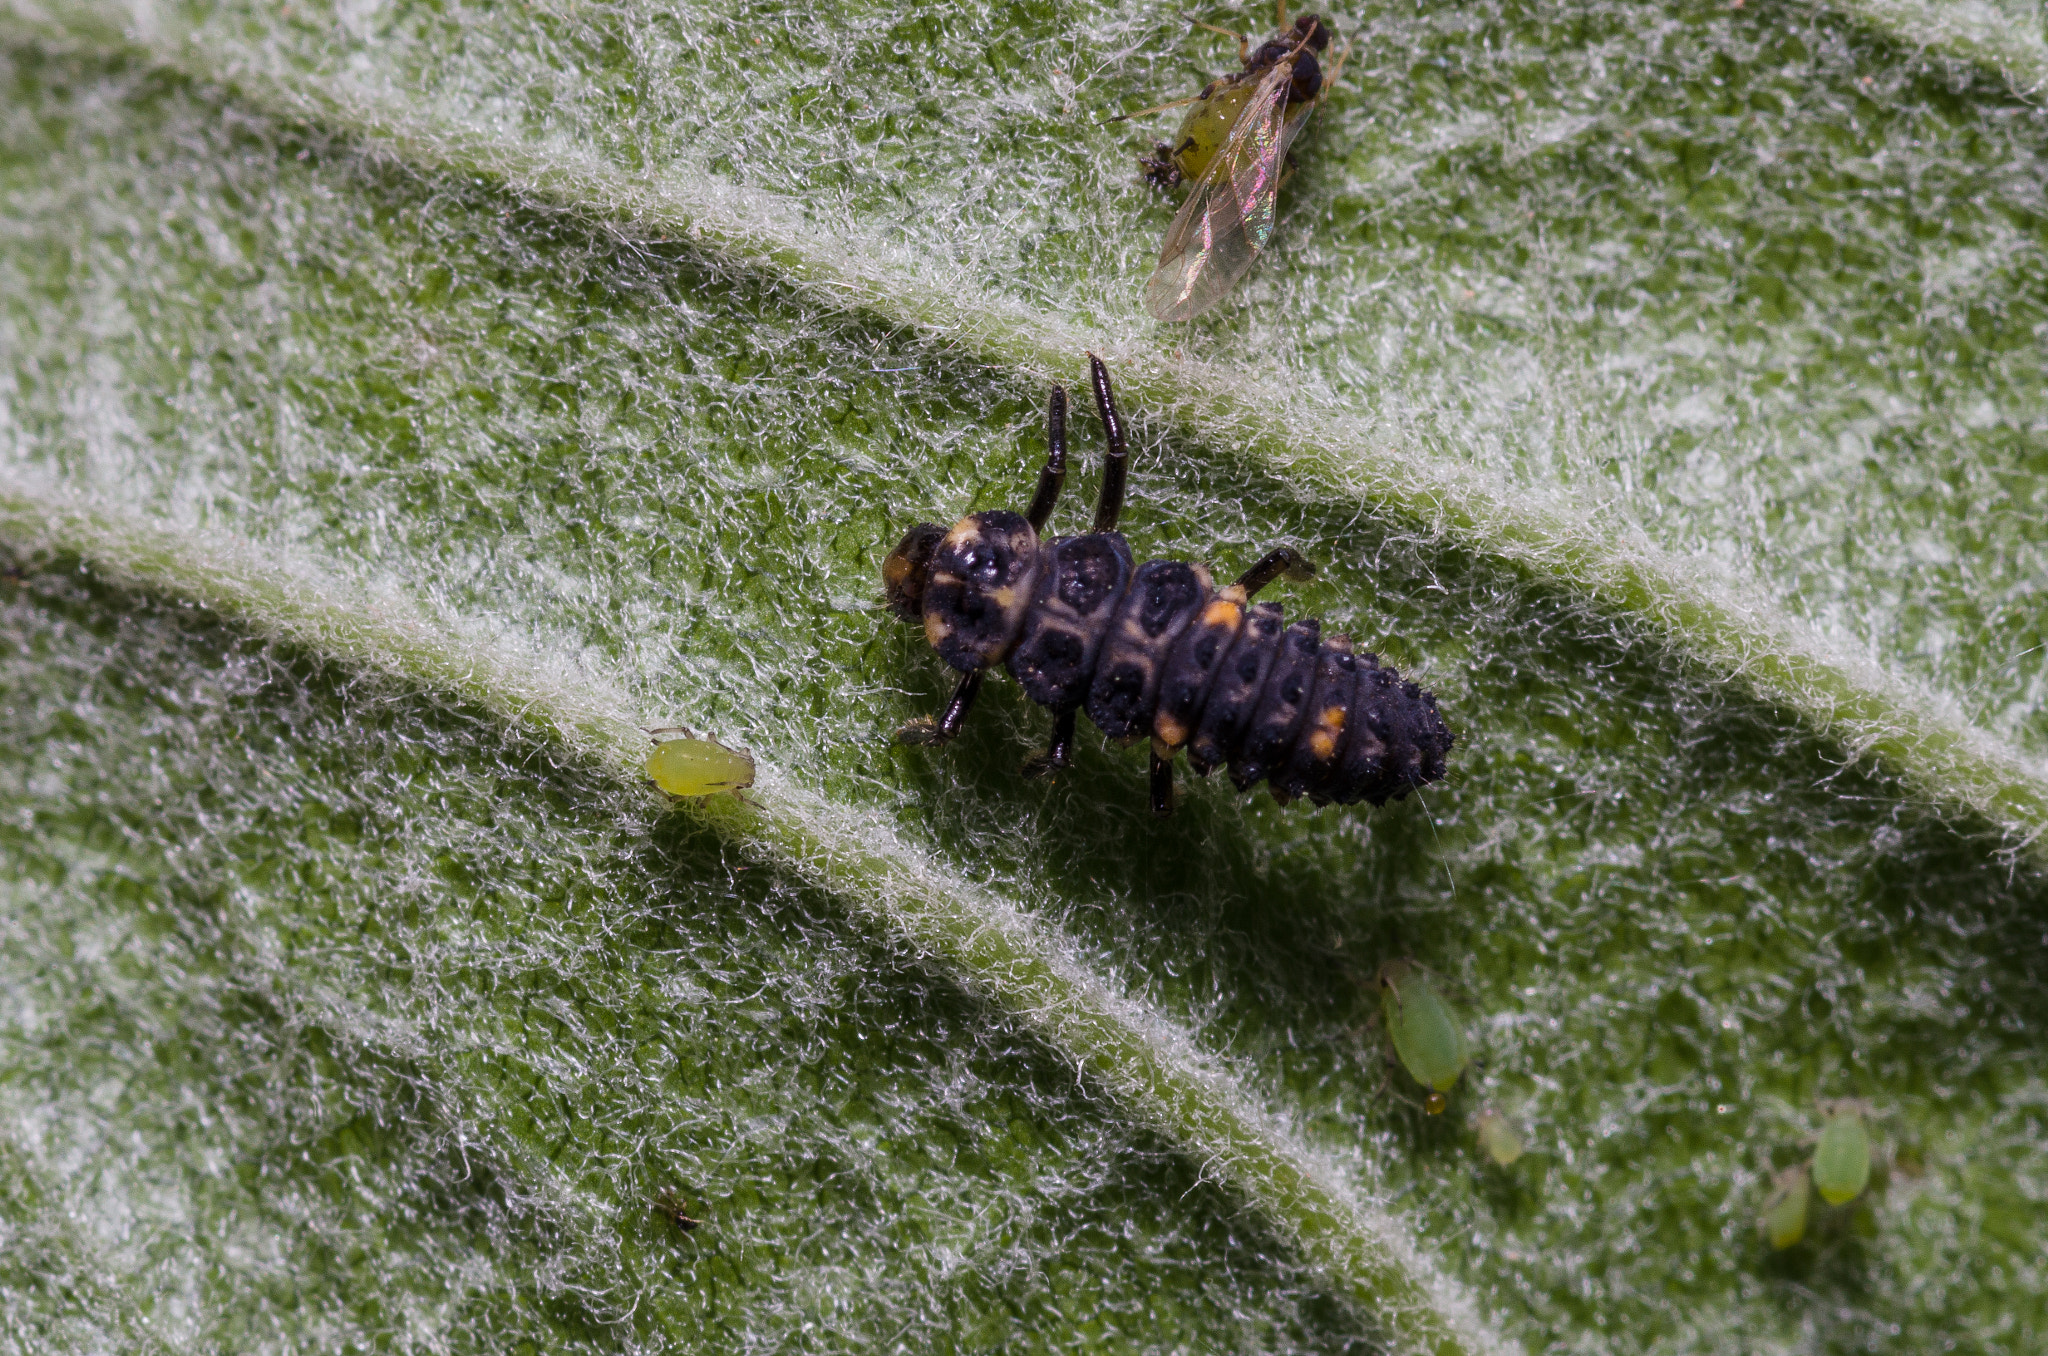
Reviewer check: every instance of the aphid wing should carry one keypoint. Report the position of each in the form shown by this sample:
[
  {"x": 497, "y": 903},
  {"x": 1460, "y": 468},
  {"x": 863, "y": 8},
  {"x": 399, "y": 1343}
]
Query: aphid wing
[{"x": 1228, "y": 218}]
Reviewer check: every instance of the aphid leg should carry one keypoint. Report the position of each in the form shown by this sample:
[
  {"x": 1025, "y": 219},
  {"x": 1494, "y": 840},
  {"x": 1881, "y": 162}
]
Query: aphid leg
[
  {"x": 1391, "y": 1062},
  {"x": 1387, "y": 1089},
  {"x": 1060, "y": 755},
  {"x": 1110, "y": 505},
  {"x": 1158, "y": 169},
  {"x": 1054, "y": 473},
  {"x": 1162, "y": 781},
  {"x": 925, "y": 730},
  {"x": 1281, "y": 560}
]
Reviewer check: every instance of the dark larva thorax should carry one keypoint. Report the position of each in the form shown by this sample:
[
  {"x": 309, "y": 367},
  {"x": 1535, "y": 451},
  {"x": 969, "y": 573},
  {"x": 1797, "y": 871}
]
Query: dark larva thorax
[{"x": 1081, "y": 582}]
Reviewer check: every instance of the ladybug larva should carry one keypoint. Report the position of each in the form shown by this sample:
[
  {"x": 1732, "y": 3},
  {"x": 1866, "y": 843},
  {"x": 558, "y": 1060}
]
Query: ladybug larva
[{"x": 1157, "y": 649}]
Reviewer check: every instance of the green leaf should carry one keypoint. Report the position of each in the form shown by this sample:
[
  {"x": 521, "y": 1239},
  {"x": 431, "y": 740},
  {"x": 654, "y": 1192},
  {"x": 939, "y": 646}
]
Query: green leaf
[{"x": 1658, "y": 384}]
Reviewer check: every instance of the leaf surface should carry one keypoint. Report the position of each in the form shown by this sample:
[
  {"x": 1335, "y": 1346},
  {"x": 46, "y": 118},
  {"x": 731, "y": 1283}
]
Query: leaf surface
[{"x": 356, "y": 999}]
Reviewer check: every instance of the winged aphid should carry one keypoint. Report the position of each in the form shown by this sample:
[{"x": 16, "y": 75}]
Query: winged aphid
[
  {"x": 1157, "y": 650},
  {"x": 1232, "y": 146}
]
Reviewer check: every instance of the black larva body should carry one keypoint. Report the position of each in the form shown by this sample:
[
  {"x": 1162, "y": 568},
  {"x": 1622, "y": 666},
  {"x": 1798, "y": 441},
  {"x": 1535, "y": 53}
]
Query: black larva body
[{"x": 1158, "y": 650}]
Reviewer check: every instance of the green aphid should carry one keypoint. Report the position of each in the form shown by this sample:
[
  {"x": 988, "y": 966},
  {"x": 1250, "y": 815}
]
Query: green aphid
[
  {"x": 1841, "y": 1160},
  {"x": 697, "y": 767},
  {"x": 1784, "y": 1217},
  {"x": 1502, "y": 1144},
  {"x": 1424, "y": 1029}
]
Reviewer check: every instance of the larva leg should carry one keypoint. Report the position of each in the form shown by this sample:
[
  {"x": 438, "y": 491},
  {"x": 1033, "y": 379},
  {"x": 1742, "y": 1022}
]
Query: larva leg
[
  {"x": 1162, "y": 781},
  {"x": 1054, "y": 474},
  {"x": 925, "y": 730},
  {"x": 1060, "y": 756},
  {"x": 1110, "y": 506},
  {"x": 1281, "y": 560}
]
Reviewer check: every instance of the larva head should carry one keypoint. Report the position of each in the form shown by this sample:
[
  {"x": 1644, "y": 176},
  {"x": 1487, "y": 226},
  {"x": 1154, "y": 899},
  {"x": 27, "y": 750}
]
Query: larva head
[{"x": 908, "y": 567}]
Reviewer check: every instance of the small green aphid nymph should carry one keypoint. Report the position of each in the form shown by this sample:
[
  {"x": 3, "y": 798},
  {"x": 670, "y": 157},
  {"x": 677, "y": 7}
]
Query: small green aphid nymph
[
  {"x": 1784, "y": 1219},
  {"x": 1498, "y": 1137},
  {"x": 691, "y": 766},
  {"x": 1424, "y": 1029},
  {"x": 1841, "y": 1158}
]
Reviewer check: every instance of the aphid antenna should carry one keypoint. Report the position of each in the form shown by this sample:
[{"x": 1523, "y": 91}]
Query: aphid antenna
[
  {"x": 1296, "y": 49},
  {"x": 1156, "y": 108},
  {"x": 1969, "y": 691},
  {"x": 1458, "y": 991},
  {"x": 1835, "y": 1106},
  {"x": 683, "y": 730},
  {"x": 1430, "y": 817},
  {"x": 1336, "y": 71}
]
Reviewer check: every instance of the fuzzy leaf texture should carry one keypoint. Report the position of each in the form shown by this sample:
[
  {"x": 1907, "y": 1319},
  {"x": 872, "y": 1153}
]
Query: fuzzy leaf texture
[{"x": 404, "y": 404}]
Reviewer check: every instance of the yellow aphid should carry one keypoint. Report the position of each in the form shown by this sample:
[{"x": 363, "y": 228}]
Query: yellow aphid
[
  {"x": 1498, "y": 1138},
  {"x": 698, "y": 767}
]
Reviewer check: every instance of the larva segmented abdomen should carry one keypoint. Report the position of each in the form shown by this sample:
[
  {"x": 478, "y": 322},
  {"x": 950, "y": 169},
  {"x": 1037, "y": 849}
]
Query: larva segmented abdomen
[{"x": 1159, "y": 651}]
